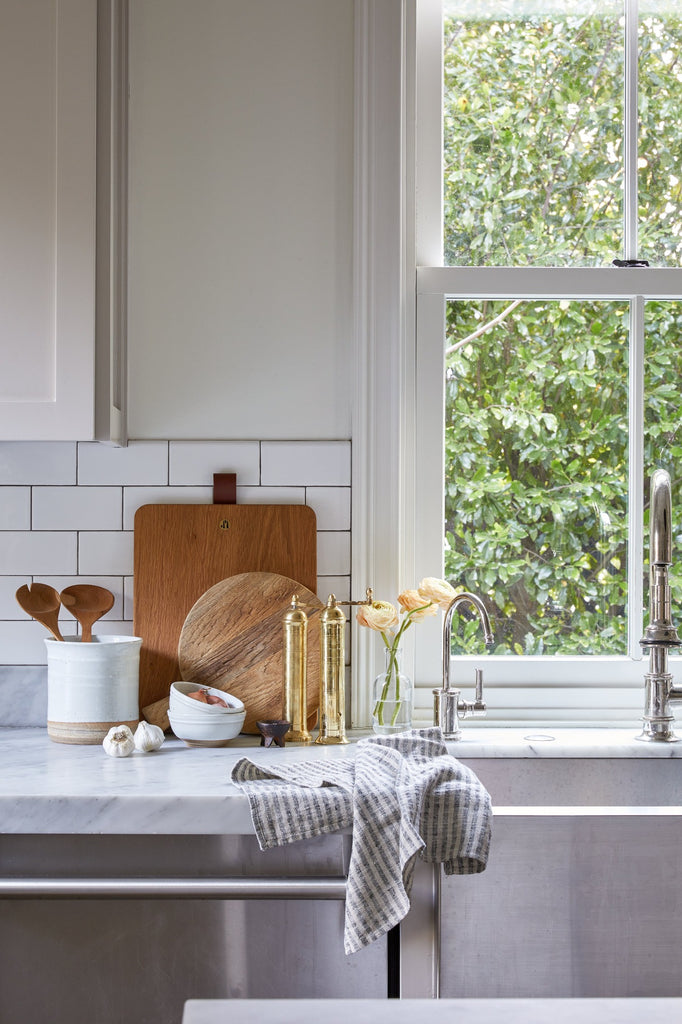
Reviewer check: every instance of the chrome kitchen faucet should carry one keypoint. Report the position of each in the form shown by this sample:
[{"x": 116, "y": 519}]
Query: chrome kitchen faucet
[
  {"x": 447, "y": 706},
  {"x": 660, "y": 635}
]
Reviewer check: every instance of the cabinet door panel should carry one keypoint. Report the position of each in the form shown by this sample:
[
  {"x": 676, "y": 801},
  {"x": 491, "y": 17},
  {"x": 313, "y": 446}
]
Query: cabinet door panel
[{"x": 47, "y": 214}]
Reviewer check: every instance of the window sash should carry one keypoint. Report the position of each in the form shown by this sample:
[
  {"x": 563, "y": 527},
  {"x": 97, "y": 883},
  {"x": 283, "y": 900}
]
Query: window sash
[
  {"x": 429, "y": 131},
  {"x": 596, "y": 688}
]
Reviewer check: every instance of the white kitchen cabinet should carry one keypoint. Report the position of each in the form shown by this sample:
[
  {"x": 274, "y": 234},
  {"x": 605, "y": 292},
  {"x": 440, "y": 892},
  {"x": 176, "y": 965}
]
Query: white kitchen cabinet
[
  {"x": 241, "y": 219},
  {"x": 48, "y": 192}
]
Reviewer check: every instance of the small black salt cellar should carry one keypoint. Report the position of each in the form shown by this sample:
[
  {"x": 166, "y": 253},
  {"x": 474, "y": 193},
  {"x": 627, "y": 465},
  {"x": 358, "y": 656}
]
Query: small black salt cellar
[{"x": 273, "y": 732}]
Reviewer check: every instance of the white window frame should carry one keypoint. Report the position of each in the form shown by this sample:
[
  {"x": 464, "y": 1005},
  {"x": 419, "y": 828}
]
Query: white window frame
[{"x": 398, "y": 445}]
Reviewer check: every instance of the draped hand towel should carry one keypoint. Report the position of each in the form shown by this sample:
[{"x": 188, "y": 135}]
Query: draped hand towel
[{"x": 404, "y": 796}]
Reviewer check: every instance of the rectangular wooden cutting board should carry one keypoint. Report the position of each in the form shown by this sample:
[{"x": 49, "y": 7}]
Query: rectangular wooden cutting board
[{"x": 182, "y": 550}]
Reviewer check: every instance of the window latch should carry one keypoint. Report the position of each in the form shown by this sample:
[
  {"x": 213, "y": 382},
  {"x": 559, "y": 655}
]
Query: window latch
[{"x": 631, "y": 263}]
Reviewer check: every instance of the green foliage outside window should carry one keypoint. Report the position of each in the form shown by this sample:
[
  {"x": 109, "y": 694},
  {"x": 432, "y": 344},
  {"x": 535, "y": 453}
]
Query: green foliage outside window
[{"x": 537, "y": 407}]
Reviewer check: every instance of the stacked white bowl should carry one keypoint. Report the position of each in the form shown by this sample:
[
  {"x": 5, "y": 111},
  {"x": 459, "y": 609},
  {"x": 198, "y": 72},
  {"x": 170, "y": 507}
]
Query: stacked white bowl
[{"x": 203, "y": 724}]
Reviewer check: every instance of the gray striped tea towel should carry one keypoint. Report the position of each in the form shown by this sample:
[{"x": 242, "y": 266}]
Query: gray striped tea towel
[{"x": 404, "y": 796}]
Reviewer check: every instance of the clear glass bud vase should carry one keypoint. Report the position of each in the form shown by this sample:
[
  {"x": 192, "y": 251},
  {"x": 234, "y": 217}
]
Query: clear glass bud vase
[{"x": 392, "y": 697}]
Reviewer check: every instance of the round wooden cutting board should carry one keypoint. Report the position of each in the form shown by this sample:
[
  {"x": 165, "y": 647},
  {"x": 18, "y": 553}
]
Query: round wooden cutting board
[{"x": 233, "y": 639}]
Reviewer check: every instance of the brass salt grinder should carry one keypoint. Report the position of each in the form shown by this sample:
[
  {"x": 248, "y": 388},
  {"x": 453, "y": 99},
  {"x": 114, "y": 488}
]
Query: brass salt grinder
[
  {"x": 333, "y": 670},
  {"x": 295, "y": 629}
]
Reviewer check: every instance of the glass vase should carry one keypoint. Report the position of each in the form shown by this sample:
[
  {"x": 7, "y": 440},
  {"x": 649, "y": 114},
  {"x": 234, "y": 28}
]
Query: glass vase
[{"x": 392, "y": 697}]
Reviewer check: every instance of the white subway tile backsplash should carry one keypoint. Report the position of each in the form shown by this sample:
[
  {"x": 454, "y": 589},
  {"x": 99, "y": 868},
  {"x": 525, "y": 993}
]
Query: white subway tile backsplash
[
  {"x": 9, "y": 607},
  {"x": 271, "y": 495},
  {"x": 142, "y": 463},
  {"x": 331, "y": 505},
  {"x": 193, "y": 463},
  {"x": 109, "y": 627},
  {"x": 23, "y": 643},
  {"x": 37, "y": 553},
  {"x": 305, "y": 463},
  {"x": 77, "y": 508},
  {"x": 67, "y": 516},
  {"x": 333, "y": 554},
  {"x": 15, "y": 508},
  {"x": 37, "y": 462},
  {"x": 128, "y": 597},
  {"x": 105, "y": 553},
  {"x": 135, "y": 497},
  {"x": 339, "y": 586}
]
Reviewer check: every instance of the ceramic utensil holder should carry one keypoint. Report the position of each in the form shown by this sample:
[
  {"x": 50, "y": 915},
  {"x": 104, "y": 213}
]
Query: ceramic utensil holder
[{"x": 91, "y": 686}]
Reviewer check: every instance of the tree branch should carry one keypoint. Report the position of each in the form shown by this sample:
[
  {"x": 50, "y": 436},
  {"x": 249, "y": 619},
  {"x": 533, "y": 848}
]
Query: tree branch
[{"x": 482, "y": 330}]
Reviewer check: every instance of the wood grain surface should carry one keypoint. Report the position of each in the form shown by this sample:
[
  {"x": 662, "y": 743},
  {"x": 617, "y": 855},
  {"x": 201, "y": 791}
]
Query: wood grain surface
[
  {"x": 183, "y": 550},
  {"x": 232, "y": 639}
]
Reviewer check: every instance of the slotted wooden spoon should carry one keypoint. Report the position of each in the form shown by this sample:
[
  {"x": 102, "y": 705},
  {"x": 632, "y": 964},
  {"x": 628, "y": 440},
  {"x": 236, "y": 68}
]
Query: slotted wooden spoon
[
  {"x": 87, "y": 603},
  {"x": 41, "y": 601}
]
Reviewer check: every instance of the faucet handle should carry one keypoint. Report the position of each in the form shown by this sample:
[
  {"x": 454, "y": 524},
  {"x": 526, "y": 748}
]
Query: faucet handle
[
  {"x": 448, "y": 708},
  {"x": 476, "y": 708}
]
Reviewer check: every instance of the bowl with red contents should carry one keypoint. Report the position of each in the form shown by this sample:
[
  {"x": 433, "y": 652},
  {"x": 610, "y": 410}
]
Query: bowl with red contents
[{"x": 189, "y": 699}]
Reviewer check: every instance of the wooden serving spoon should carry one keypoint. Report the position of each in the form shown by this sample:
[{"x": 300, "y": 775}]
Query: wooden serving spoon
[
  {"x": 41, "y": 601},
  {"x": 87, "y": 603}
]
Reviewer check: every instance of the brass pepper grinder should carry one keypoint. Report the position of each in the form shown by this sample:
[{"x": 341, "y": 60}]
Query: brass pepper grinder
[
  {"x": 332, "y": 674},
  {"x": 295, "y": 629}
]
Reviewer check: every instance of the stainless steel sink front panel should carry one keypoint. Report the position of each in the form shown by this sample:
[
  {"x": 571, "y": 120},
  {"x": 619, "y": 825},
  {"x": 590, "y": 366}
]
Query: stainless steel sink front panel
[
  {"x": 569, "y": 906},
  {"x": 581, "y": 781}
]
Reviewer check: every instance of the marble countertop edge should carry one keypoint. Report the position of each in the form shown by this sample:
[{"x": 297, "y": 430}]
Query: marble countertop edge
[{"x": 53, "y": 788}]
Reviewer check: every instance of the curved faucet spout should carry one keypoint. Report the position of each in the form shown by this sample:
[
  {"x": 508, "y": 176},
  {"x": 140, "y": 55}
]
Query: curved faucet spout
[
  {"x": 660, "y": 515},
  {"x": 472, "y": 599}
]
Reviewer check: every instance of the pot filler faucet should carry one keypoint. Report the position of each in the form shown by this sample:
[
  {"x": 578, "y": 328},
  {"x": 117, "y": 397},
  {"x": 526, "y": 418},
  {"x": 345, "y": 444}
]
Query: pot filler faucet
[
  {"x": 447, "y": 706},
  {"x": 660, "y": 635}
]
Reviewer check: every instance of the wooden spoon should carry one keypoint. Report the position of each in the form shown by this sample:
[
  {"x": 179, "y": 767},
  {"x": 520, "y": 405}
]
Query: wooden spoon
[
  {"x": 87, "y": 603},
  {"x": 41, "y": 601}
]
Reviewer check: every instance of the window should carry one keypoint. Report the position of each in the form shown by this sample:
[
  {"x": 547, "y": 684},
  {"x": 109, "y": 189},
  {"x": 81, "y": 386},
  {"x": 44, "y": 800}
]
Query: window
[{"x": 549, "y": 143}]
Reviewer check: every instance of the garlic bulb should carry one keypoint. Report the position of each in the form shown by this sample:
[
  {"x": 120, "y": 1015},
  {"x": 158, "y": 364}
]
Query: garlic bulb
[
  {"x": 148, "y": 737},
  {"x": 119, "y": 741}
]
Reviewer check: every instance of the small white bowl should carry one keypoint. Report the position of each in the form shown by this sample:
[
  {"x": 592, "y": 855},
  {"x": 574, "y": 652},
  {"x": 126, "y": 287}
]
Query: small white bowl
[
  {"x": 180, "y": 699},
  {"x": 207, "y": 732}
]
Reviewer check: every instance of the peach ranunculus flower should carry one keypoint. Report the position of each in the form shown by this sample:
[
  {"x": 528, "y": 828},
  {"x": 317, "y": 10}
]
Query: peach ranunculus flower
[
  {"x": 414, "y": 602},
  {"x": 439, "y": 591},
  {"x": 379, "y": 615}
]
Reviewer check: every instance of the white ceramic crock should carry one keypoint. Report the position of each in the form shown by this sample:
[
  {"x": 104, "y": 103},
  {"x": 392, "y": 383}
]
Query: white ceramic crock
[{"x": 91, "y": 686}]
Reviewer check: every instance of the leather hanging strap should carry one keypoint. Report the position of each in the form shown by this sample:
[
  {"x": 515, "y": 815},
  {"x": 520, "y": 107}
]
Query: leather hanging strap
[{"x": 224, "y": 488}]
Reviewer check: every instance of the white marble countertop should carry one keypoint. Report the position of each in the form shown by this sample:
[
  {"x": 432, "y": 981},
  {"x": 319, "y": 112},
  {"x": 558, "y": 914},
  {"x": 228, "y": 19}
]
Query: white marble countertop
[
  {"x": 48, "y": 787},
  {"x": 53, "y": 788}
]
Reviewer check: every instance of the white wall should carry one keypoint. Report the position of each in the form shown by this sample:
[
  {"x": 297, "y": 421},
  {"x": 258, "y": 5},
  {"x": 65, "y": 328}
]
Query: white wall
[{"x": 241, "y": 192}]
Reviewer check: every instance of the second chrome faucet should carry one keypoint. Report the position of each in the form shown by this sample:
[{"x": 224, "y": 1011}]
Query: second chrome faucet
[{"x": 448, "y": 707}]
